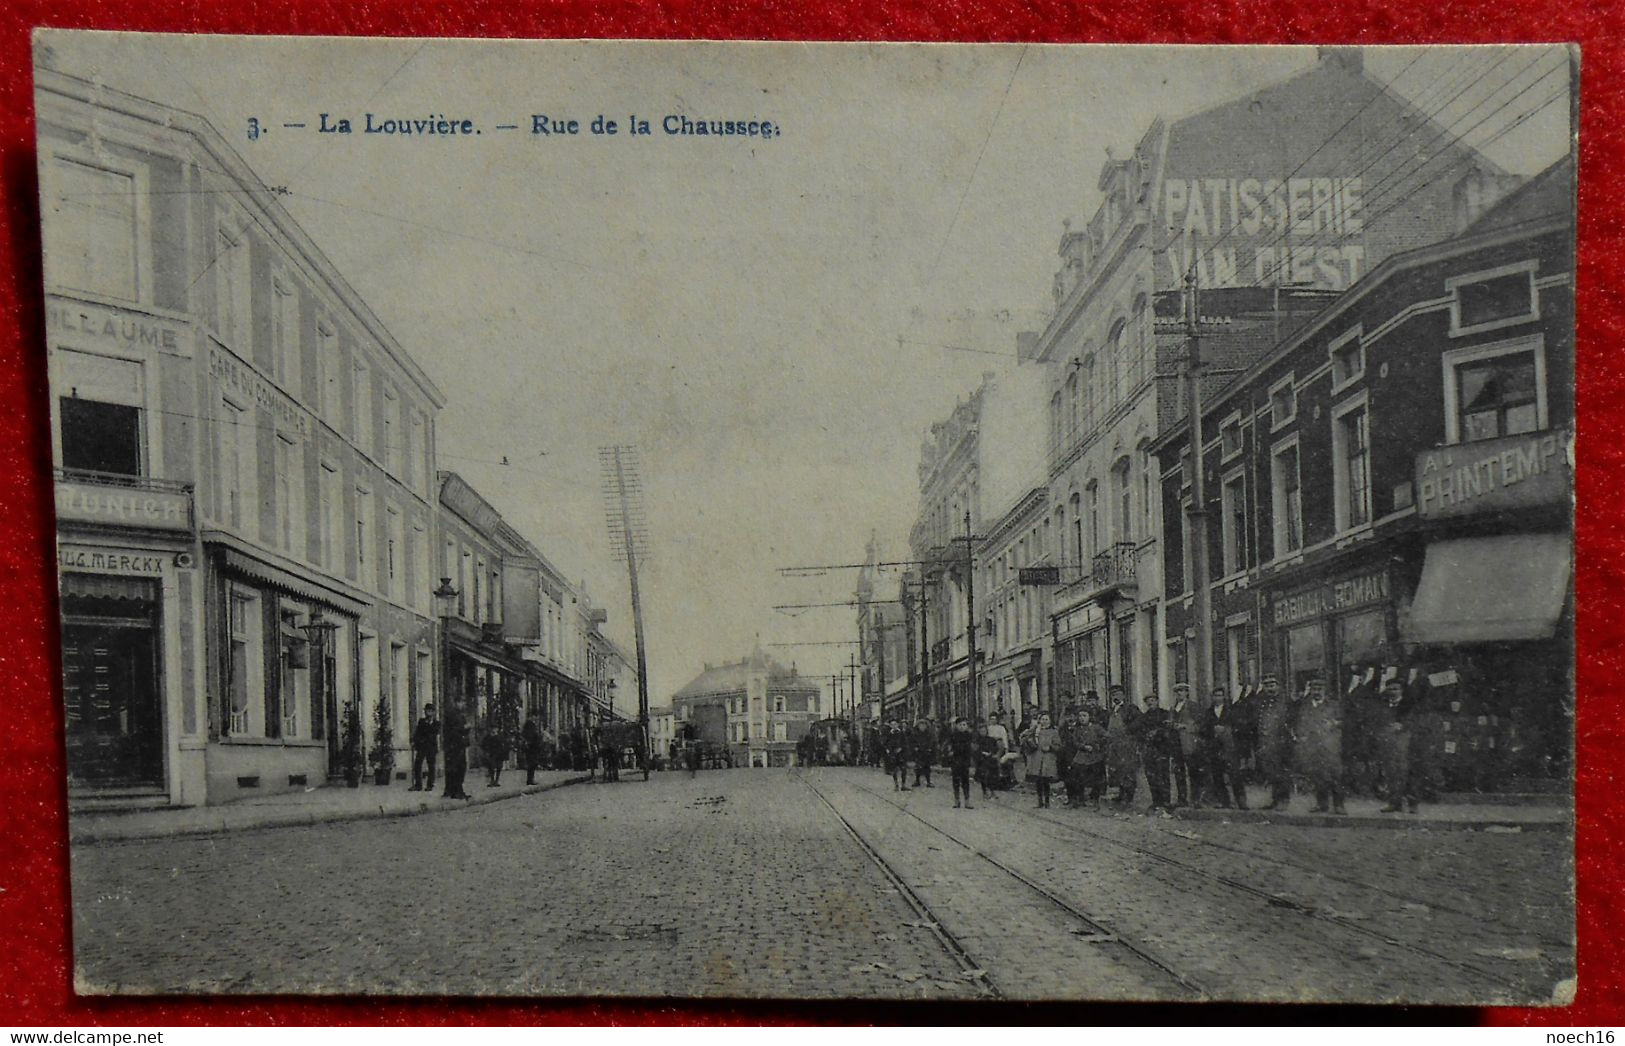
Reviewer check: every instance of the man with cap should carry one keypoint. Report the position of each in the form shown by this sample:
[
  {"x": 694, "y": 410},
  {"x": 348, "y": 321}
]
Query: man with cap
[
  {"x": 1122, "y": 745},
  {"x": 1226, "y": 724},
  {"x": 1159, "y": 745},
  {"x": 1320, "y": 746},
  {"x": 1192, "y": 723},
  {"x": 1397, "y": 746}
]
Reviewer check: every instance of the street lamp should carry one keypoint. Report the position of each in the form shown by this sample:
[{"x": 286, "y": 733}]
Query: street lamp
[{"x": 319, "y": 631}]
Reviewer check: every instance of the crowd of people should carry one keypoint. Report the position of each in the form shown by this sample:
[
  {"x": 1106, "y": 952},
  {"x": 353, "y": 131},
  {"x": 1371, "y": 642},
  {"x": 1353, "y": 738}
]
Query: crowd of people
[{"x": 1201, "y": 751}]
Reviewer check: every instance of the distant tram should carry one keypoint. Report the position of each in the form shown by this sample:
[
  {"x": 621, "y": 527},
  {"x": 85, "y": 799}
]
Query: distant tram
[{"x": 830, "y": 742}]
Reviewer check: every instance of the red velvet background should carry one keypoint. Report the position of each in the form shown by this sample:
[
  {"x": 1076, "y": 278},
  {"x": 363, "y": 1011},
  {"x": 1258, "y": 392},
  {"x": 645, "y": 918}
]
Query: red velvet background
[{"x": 35, "y": 976}]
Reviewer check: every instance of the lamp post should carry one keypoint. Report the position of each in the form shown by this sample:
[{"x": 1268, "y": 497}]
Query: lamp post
[{"x": 318, "y": 631}]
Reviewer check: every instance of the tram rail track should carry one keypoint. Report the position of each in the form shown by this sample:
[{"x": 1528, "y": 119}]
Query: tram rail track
[
  {"x": 1256, "y": 893},
  {"x": 1094, "y": 930}
]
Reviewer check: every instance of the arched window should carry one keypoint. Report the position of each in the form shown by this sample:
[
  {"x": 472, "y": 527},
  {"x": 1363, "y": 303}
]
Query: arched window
[
  {"x": 1055, "y": 426},
  {"x": 1117, "y": 374},
  {"x": 1092, "y": 495},
  {"x": 1123, "y": 493},
  {"x": 1072, "y": 408}
]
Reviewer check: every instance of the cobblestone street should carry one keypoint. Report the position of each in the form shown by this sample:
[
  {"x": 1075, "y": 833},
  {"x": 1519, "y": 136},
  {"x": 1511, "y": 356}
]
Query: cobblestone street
[{"x": 827, "y": 883}]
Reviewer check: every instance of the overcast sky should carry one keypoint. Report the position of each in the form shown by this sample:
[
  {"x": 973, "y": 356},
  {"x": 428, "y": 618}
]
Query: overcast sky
[{"x": 733, "y": 306}]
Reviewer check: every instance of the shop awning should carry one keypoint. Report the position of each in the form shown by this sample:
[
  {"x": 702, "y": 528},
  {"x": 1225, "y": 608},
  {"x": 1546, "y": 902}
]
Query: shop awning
[{"x": 1485, "y": 589}]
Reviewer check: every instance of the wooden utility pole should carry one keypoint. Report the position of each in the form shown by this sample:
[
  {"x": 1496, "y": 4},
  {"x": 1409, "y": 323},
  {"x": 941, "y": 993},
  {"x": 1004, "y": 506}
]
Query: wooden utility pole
[
  {"x": 637, "y": 602},
  {"x": 972, "y": 703},
  {"x": 1197, "y": 513}
]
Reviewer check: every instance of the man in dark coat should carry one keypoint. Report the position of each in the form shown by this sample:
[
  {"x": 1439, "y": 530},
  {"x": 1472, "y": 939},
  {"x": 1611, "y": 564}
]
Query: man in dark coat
[
  {"x": 1319, "y": 746},
  {"x": 1399, "y": 747},
  {"x": 425, "y": 747},
  {"x": 1274, "y": 713},
  {"x": 961, "y": 754},
  {"x": 1227, "y": 724},
  {"x": 455, "y": 734},
  {"x": 530, "y": 748},
  {"x": 1192, "y": 725},
  {"x": 924, "y": 744},
  {"x": 1123, "y": 746},
  {"x": 897, "y": 753},
  {"x": 1159, "y": 747}
]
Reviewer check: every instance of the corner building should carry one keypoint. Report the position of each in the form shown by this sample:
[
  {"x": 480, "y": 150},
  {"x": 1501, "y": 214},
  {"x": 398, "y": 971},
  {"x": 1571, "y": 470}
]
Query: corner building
[
  {"x": 1392, "y": 496},
  {"x": 1303, "y": 186},
  {"x": 244, "y": 467}
]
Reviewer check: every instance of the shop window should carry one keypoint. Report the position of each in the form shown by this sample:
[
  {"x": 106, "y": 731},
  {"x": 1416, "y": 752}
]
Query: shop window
[
  {"x": 1233, "y": 502},
  {"x": 1305, "y": 655},
  {"x": 92, "y": 232},
  {"x": 1351, "y": 458},
  {"x": 1360, "y": 642},
  {"x": 1348, "y": 360},
  {"x": 245, "y": 685},
  {"x": 1497, "y": 390},
  {"x": 1283, "y": 402},
  {"x": 1497, "y": 298},
  {"x": 1287, "y": 497},
  {"x": 295, "y": 666}
]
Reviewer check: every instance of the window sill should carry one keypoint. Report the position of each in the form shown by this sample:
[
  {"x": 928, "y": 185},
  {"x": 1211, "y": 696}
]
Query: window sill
[
  {"x": 1340, "y": 387},
  {"x": 272, "y": 742}
]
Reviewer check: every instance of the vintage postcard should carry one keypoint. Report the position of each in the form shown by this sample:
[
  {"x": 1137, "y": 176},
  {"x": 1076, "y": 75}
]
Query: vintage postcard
[{"x": 814, "y": 520}]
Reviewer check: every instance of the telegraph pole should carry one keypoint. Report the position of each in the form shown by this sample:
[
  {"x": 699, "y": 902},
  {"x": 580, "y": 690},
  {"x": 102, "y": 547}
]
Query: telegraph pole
[
  {"x": 1197, "y": 513},
  {"x": 852, "y": 698},
  {"x": 972, "y": 698}
]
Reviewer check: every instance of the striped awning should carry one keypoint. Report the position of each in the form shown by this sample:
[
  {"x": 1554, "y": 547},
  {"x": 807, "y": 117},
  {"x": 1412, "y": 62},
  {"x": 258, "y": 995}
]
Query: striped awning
[
  {"x": 290, "y": 583},
  {"x": 108, "y": 586}
]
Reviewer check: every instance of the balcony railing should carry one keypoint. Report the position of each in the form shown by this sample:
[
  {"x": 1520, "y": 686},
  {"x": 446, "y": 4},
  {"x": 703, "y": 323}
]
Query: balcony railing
[{"x": 1114, "y": 566}]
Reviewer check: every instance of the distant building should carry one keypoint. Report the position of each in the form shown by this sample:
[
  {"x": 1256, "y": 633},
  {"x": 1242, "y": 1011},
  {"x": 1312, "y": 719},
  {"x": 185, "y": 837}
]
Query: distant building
[{"x": 756, "y": 707}]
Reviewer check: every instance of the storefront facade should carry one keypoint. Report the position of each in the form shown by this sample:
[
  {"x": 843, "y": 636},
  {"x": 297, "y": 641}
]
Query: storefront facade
[{"x": 1391, "y": 495}]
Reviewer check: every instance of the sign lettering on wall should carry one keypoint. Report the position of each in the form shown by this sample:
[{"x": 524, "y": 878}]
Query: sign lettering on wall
[
  {"x": 1331, "y": 598},
  {"x": 128, "y": 329},
  {"x": 1260, "y": 231},
  {"x": 232, "y": 374},
  {"x": 1492, "y": 475},
  {"x": 80, "y": 501},
  {"x": 95, "y": 559}
]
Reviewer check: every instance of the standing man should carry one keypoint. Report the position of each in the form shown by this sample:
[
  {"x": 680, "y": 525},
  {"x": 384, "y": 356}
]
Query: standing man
[
  {"x": 530, "y": 748},
  {"x": 425, "y": 746},
  {"x": 1191, "y": 722},
  {"x": 1274, "y": 742},
  {"x": 1122, "y": 745},
  {"x": 1320, "y": 746},
  {"x": 993, "y": 748},
  {"x": 925, "y": 749},
  {"x": 1159, "y": 744},
  {"x": 1397, "y": 741},
  {"x": 1224, "y": 748},
  {"x": 961, "y": 752},
  {"x": 456, "y": 738}
]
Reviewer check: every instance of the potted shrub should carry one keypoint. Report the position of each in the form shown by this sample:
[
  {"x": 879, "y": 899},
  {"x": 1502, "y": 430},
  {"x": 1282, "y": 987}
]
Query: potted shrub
[
  {"x": 350, "y": 754},
  {"x": 382, "y": 755}
]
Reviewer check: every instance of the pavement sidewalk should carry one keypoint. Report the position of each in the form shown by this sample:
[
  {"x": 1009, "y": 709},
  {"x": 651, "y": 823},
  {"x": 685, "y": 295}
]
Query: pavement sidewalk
[
  {"x": 1487, "y": 814},
  {"x": 311, "y": 806}
]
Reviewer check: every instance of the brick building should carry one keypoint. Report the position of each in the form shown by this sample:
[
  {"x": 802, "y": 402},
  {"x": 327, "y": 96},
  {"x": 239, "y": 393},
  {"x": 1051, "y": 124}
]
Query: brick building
[{"x": 1390, "y": 492}]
